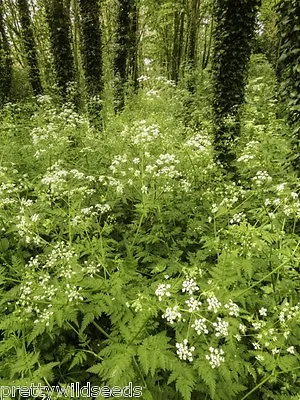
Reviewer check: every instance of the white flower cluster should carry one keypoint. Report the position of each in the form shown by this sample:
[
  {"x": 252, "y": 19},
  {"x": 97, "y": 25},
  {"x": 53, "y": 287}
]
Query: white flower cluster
[
  {"x": 88, "y": 211},
  {"x": 200, "y": 326},
  {"x": 73, "y": 293},
  {"x": 186, "y": 185},
  {"x": 91, "y": 211},
  {"x": 256, "y": 345},
  {"x": 26, "y": 226},
  {"x": 165, "y": 81},
  {"x": 213, "y": 304},
  {"x": 69, "y": 118},
  {"x": 184, "y": 352},
  {"x": 115, "y": 183},
  {"x": 148, "y": 61},
  {"x": 163, "y": 290},
  {"x": 281, "y": 187},
  {"x": 221, "y": 327},
  {"x": 288, "y": 313},
  {"x": 261, "y": 178},
  {"x": 258, "y": 325},
  {"x": 66, "y": 272},
  {"x": 200, "y": 142},
  {"x": 60, "y": 254},
  {"x": 252, "y": 145},
  {"x": 91, "y": 268},
  {"x": 58, "y": 180},
  {"x": 74, "y": 173},
  {"x": 263, "y": 312},
  {"x": 193, "y": 304},
  {"x": 143, "y": 78},
  {"x": 164, "y": 166},
  {"x": 145, "y": 134},
  {"x": 47, "y": 137},
  {"x": 25, "y": 291},
  {"x": 171, "y": 314},
  {"x": 152, "y": 93},
  {"x": 137, "y": 304},
  {"x": 189, "y": 286},
  {"x": 291, "y": 350},
  {"x": 44, "y": 316},
  {"x": 215, "y": 357},
  {"x": 245, "y": 158},
  {"x": 233, "y": 308},
  {"x": 117, "y": 161},
  {"x": 214, "y": 208},
  {"x": 237, "y": 218},
  {"x": 8, "y": 188}
]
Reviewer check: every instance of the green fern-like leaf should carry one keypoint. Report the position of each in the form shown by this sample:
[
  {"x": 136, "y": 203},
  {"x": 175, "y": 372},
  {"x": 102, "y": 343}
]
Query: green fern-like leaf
[
  {"x": 87, "y": 319},
  {"x": 117, "y": 365},
  {"x": 78, "y": 359},
  {"x": 154, "y": 354},
  {"x": 208, "y": 375},
  {"x": 185, "y": 379},
  {"x": 45, "y": 371}
]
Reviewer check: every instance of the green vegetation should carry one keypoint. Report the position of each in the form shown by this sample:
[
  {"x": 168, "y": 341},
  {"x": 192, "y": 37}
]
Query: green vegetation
[{"x": 128, "y": 251}]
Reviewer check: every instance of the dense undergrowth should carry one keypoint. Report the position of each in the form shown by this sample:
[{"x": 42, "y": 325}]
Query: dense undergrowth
[{"x": 128, "y": 256}]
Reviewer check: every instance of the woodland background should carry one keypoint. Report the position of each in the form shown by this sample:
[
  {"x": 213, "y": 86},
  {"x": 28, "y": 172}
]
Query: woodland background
[{"x": 149, "y": 196}]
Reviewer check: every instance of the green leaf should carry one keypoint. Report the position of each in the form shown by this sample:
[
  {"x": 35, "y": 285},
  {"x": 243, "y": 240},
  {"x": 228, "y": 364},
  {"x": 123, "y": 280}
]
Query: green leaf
[
  {"x": 185, "y": 380},
  {"x": 4, "y": 245},
  {"x": 287, "y": 362},
  {"x": 87, "y": 319},
  {"x": 154, "y": 354},
  {"x": 208, "y": 375}
]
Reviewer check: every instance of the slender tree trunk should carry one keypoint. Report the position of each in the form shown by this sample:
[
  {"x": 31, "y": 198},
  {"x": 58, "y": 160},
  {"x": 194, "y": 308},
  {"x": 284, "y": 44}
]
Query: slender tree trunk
[
  {"x": 76, "y": 37},
  {"x": 133, "y": 50},
  {"x": 209, "y": 44},
  {"x": 193, "y": 32},
  {"x": 125, "y": 63},
  {"x": 178, "y": 41},
  {"x": 30, "y": 47},
  {"x": 5, "y": 61},
  {"x": 91, "y": 46},
  {"x": 59, "y": 25},
  {"x": 177, "y": 18}
]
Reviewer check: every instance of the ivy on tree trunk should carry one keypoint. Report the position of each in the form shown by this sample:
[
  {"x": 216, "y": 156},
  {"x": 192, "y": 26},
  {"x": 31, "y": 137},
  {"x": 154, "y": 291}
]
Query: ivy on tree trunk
[
  {"x": 58, "y": 17},
  {"x": 91, "y": 45},
  {"x": 125, "y": 62},
  {"x": 5, "y": 61},
  {"x": 233, "y": 34},
  {"x": 289, "y": 65}
]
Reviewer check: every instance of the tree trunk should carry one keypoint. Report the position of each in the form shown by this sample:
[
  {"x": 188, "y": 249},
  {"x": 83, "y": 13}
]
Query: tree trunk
[
  {"x": 59, "y": 25},
  {"x": 233, "y": 33},
  {"x": 91, "y": 46},
  {"x": 289, "y": 67},
  {"x": 5, "y": 61},
  {"x": 177, "y": 19},
  {"x": 30, "y": 47},
  {"x": 133, "y": 50},
  {"x": 208, "y": 43},
  {"x": 178, "y": 41},
  {"x": 125, "y": 63},
  {"x": 193, "y": 32}
]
